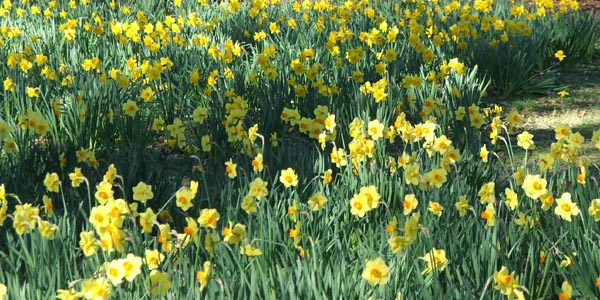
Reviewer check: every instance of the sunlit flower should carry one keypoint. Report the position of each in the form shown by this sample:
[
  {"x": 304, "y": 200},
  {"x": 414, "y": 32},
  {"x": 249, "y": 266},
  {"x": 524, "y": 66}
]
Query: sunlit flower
[
  {"x": 70, "y": 294},
  {"x": 147, "y": 220},
  {"x": 483, "y": 153},
  {"x": 411, "y": 226},
  {"x": 111, "y": 174},
  {"x": 258, "y": 188},
  {"x": 184, "y": 198},
  {"x": 208, "y": 218},
  {"x": 327, "y": 176},
  {"x": 288, "y": 177},
  {"x": 104, "y": 192},
  {"x": 596, "y": 139},
  {"x": 375, "y": 129},
  {"x": 547, "y": 200},
  {"x": 376, "y": 272},
  {"x": 409, "y": 204},
  {"x": 563, "y": 93},
  {"x": 438, "y": 177},
  {"x": 507, "y": 284},
  {"x": 25, "y": 218},
  {"x": 562, "y": 132},
  {"x": 442, "y": 144},
  {"x": 153, "y": 258},
  {"x": 542, "y": 258},
  {"x": 372, "y": 196},
  {"x": 9, "y": 84},
  {"x": 338, "y": 157},
  {"x": 565, "y": 208},
  {"x": 115, "y": 271},
  {"x": 534, "y": 186},
  {"x": 523, "y": 220},
  {"x": 398, "y": 243},
  {"x": 359, "y": 205},
  {"x": 48, "y": 205},
  {"x": 525, "y": 141},
  {"x": 147, "y": 94},
  {"x": 88, "y": 243},
  {"x": 133, "y": 267},
  {"x": 295, "y": 233},
  {"x": 560, "y": 55}
]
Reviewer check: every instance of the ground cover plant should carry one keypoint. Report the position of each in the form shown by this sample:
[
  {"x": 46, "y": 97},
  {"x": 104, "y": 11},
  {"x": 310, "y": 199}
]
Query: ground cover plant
[{"x": 292, "y": 150}]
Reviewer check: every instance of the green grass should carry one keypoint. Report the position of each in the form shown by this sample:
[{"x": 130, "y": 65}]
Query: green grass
[{"x": 227, "y": 229}]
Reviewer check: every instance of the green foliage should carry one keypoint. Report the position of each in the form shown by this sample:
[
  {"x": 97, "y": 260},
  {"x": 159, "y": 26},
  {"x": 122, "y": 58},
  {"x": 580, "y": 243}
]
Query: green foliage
[{"x": 209, "y": 105}]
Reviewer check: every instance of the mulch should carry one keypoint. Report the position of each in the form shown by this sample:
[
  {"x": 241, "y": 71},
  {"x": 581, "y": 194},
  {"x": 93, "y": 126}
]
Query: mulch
[{"x": 590, "y": 5}]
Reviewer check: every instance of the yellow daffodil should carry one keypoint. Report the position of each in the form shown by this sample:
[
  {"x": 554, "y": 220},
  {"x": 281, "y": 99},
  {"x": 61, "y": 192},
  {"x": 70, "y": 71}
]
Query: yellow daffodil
[
  {"x": 565, "y": 208},
  {"x": 288, "y": 178},
  {"x": 376, "y": 272},
  {"x": 435, "y": 259}
]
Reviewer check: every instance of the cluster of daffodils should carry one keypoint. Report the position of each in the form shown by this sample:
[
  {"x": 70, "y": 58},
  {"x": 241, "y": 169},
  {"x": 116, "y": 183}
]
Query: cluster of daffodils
[
  {"x": 367, "y": 199},
  {"x": 322, "y": 128},
  {"x": 26, "y": 217},
  {"x": 399, "y": 242},
  {"x": 112, "y": 219},
  {"x": 508, "y": 284},
  {"x": 217, "y": 73}
]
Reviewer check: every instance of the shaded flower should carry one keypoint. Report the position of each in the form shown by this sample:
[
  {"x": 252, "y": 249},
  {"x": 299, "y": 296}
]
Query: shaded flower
[
  {"x": 435, "y": 259},
  {"x": 594, "y": 209},
  {"x": 52, "y": 183},
  {"x": 462, "y": 205},
  {"x": 317, "y": 201},
  {"x": 142, "y": 192},
  {"x": 204, "y": 275},
  {"x": 566, "y": 291}
]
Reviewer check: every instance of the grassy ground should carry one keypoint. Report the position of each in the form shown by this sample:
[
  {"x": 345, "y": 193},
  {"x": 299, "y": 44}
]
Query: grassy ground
[{"x": 580, "y": 109}]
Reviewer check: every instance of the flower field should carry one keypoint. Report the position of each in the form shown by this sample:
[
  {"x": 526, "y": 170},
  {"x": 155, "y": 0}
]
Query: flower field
[{"x": 354, "y": 149}]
